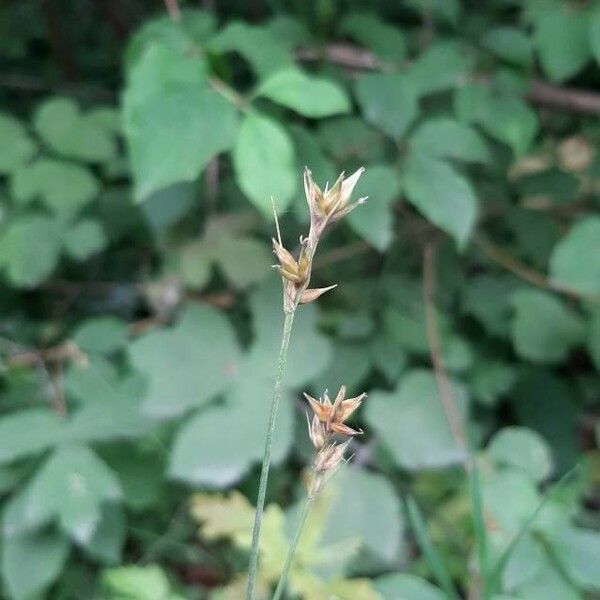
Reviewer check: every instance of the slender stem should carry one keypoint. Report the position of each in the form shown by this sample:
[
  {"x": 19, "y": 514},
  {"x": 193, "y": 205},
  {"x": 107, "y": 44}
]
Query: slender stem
[
  {"x": 292, "y": 550},
  {"x": 266, "y": 464}
]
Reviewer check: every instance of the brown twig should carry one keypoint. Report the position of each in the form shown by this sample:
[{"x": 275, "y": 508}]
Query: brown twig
[
  {"x": 540, "y": 92},
  {"x": 435, "y": 348},
  {"x": 510, "y": 263},
  {"x": 172, "y": 7}
]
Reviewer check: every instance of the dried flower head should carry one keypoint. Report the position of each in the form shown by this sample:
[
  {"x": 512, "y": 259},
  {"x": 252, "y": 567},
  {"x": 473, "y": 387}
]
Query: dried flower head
[
  {"x": 330, "y": 205},
  {"x": 333, "y": 415},
  {"x": 327, "y": 422}
]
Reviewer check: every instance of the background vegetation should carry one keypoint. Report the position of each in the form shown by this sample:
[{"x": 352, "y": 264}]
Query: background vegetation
[{"x": 140, "y": 144}]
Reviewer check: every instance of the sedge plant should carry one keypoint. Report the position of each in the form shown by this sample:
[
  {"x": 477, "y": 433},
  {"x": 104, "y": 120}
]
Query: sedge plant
[{"x": 326, "y": 207}]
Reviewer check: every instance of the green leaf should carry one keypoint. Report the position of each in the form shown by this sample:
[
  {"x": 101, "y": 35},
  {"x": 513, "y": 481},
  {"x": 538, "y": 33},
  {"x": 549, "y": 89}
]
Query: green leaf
[
  {"x": 365, "y": 508},
  {"x": 17, "y": 147},
  {"x": 490, "y": 380},
  {"x": 509, "y": 120},
  {"x": 28, "y": 432},
  {"x": 411, "y": 422},
  {"x": 543, "y": 329},
  {"x": 265, "y": 53},
  {"x": 432, "y": 556},
  {"x": 385, "y": 40},
  {"x": 64, "y": 187},
  {"x": 32, "y": 562},
  {"x": 442, "y": 66},
  {"x": 446, "y": 138},
  {"x": 243, "y": 260},
  {"x": 71, "y": 486},
  {"x": 388, "y": 101},
  {"x": 594, "y": 34},
  {"x": 137, "y": 583},
  {"x": 578, "y": 551},
  {"x": 264, "y": 163},
  {"x": 314, "y": 97},
  {"x": 29, "y": 250},
  {"x": 374, "y": 220},
  {"x": 101, "y": 334},
  {"x": 85, "y": 239},
  {"x": 524, "y": 449},
  {"x": 168, "y": 105},
  {"x": 60, "y": 124},
  {"x": 106, "y": 545},
  {"x": 593, "y": 341},
  {"x": 561, "y": 39},
  {"x": 444, "y": 196},
  {"x": 199, "y": 455},
  {"x": 403, "y": 585},
  {"x": 187, "y": 365},
  {"x": 510, "y": 44},
  {"x": 575, "y": 261}
]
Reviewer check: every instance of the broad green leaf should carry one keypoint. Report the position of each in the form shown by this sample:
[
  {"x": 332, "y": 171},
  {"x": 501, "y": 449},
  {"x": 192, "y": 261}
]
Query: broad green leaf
[
  {"x": 106, "y": 545},
  {"x": 243, "y": 260},
  {"x": 442, "y": 66},
  {"x": 17, "y": 147},
  {"x": 490, "y": 380},
  {"x": 71, "y": 486},
  {"x": 63, "y": 186},
  {"x": 137, "y": 583},
  {"x": 32, "y": 562},
  {"x": 446, "y": 138},
  {"x": 562, "y": 42},
  {"x": 310, "y": 96},
  {"x": 578, "y": 551},
  {"x": 524, "y": 563},
  {"x": 351, "y": 138},
  {"x": 219, "y": 444},
  {"x": 85, "y": 239},
  {"x": 510, "y": 44},
  {"x": 168, "y": 105},
  {"x": 101, "y": 334},
  {"x": 168, "y": 205},
  {"x": 186, "y": 365},
  {"x": 443, "y": 195},
  {"x": 509, "y": 120},
  {"x": 548, "y": 584},
  {"x": 510, "y": 498},
  {"x": 364, "y": 507},
  {"x": 256, "y": 44},
  {"x": 401, "y": 586},
  {"x": 388, "y": 101},
  {"x": 29, "y": 250},
  {"x": 575, "y": 261},
  {"x": 28, "y": 432},
  {"x": 264, "y": 163},
  {"x": 524, "y": 449},
  {"x": 67, "y": 131},
  {"x": 411, "y": 422},
  {"x": 349, "y": 366},
  {"x": 385, "y": 40},
  {"x": 543, "y": 329},
  {"x": 374, "y": 220}
]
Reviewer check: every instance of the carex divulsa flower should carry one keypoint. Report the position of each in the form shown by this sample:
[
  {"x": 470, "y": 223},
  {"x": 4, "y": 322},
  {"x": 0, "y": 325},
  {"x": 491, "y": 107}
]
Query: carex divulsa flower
[
  {"x": 325, "y": 207},
  {"x": 328, "y": 421}
]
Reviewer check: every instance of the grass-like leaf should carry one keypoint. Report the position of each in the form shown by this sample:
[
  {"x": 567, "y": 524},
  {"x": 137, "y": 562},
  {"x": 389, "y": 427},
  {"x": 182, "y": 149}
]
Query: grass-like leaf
[
  {"x": 494, "y": 577},
  {"x": 479, "y": 527},
  {"x": 434, "y": 560}
]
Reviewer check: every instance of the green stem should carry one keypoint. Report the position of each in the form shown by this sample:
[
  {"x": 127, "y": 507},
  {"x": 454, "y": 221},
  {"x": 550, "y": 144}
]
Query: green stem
[
  {"x": 292, "y": 551},
  {"x": 266, "y": 463}
]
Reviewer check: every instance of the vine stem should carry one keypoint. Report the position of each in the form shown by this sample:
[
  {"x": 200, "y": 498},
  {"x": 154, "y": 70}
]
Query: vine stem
[
  {"x": 292, "y": 550},
  {"x": 266, "y": 463}
]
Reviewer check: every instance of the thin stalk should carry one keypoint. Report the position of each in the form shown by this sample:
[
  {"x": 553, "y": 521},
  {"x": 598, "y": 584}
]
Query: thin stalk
[
  {"x": 292, "y": 550},
  {"x": 266, "y": 463}
]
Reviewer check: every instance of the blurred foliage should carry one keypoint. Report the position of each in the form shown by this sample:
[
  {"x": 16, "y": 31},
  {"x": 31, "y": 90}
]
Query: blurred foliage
[{"x": 139, "y": 151}]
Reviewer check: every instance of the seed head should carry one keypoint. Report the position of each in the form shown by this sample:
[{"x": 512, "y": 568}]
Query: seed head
[
  {"x": 333, "y": 415},
  {"x": 329, "y": 205}
]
